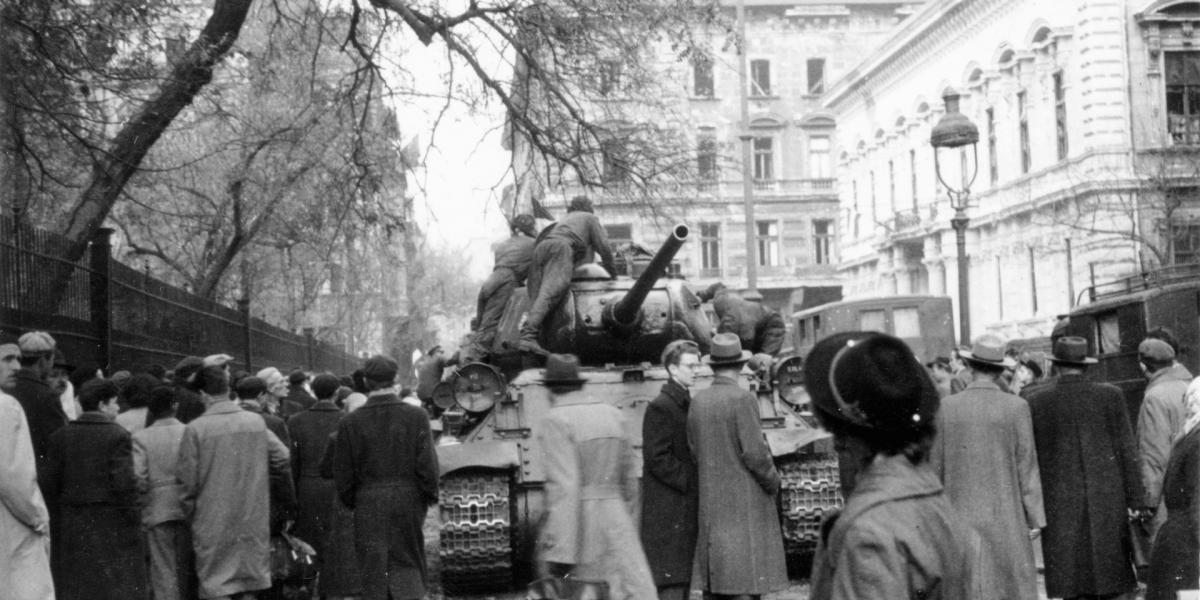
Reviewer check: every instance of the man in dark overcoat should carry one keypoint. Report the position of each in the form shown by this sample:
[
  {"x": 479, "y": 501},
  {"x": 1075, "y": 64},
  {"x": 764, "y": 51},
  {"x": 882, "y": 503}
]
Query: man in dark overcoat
[
  {"x": 567, "y": 244},
  {"x": 298, "y": 399},
  {"x": 386, "y": 470},
  {"x": 759, "y": 327},
  {"x": 512, "y": 259},
  {"x": 740, "y": 544},
  {"x": 89, "y": 476},
  {"x": 252, "y": 393},
  {"x": 669, "y": 493},
  {"x": 41, "y": 404},
  {"x": 310, "y": 431},
  {"x": 1090, "y": 480}
]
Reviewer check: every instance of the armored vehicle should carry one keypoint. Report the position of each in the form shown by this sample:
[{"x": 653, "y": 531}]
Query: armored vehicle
[
  {"x": 492, "y": 487},
  {"x": 1120, "y": 313}
]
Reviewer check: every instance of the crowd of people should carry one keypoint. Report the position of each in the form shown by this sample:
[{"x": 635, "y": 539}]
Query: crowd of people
[{"x": 204, "y": 482}]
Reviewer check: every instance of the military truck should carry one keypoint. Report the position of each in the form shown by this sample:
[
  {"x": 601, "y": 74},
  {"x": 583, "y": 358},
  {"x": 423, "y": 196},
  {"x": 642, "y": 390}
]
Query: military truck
[
  {"x": 492, "y": 494},
  {"x": 1118, "y": 315}
]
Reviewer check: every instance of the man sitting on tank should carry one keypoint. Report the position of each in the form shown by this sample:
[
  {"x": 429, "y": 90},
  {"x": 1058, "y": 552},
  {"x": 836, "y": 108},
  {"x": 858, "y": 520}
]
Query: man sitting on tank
[
  {"x": 512, "y": 259},
  {"x": 560, "y": 248},
  {"x": 760, "y": 327}
]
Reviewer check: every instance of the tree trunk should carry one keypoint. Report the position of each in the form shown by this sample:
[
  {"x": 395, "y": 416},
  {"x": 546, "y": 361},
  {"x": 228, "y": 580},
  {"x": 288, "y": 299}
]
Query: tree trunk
[{"x": 113, "y": 169}]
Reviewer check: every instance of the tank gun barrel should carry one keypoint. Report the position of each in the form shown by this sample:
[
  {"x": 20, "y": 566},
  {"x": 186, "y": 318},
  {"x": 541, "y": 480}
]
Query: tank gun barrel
[{"x": 625, "y": 312}]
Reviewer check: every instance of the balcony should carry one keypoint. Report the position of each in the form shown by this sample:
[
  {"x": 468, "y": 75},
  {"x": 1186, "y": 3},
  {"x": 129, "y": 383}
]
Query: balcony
[{"x": 715, "y": 189}]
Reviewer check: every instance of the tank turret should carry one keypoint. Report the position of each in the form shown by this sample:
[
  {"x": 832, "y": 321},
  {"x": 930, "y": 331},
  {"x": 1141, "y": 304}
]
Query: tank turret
[{"x": 613, "y": 321}]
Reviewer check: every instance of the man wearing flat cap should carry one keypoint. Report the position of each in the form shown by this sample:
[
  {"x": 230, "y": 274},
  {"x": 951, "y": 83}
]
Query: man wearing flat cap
[
  {"x": 386, "y": 470},
  {"x": 1160, "y": 421},
  {"x": 739, "y": 545},
  {"x": 1090, "y": 481},
  {"x": 568, "y": 243},
  {"x": 42, "y": 405},
  {"x": 759, "y": 327},
  {"x": 591, "y": 488},
  {"x": 985, "y": 456}
]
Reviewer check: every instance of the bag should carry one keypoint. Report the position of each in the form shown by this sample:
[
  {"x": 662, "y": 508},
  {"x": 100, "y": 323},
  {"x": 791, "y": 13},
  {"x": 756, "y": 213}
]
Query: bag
[
  {"x": 567, "y": 588},
  {"x": 291, "y": 559}
]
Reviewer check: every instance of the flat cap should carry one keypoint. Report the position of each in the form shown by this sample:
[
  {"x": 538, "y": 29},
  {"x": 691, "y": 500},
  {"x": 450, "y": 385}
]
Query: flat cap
[
  {"x": 36, "y": 342},
  {"x": 380, "y": 368},
  {"x": 1156, "y": 350}
]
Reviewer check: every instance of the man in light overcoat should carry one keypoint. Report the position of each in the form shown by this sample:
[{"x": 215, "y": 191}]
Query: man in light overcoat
[{"x": 1160, "y": 421}]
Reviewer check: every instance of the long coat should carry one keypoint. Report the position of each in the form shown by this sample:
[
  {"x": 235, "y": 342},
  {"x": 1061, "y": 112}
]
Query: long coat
[
  {"x": 24, "y": 520},
  {"x": 740, "y": 544},
  {"x": 985, "y": 457},
  {"x": 1160, "y": 423},
  {"x": 898, "y": 537},
  {"x": 43, "y": 411},
  {"x": 1175, "y": 561},
  {"x": 89, "y": 476},
  {"x": 226, "y": 461},
  {"x": 591, "y": 486},
  {"x": 670, "y": 496},
  {"x": 1089, "y": 479},
  {"x": 310, "y": 432},
  {"x": 385, "y": 468},
  {"x": 283, "y": 488},
  {"x": 340, "y": 575}
]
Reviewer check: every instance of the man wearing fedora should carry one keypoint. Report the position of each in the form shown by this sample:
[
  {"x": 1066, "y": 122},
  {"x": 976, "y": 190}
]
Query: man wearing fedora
[
  {"x": 898, "y": 536},
  {"x": 1160, "y": 421},
  {"x": 739, "y": 544},
  {"x": 1090, "y": 481},
  {"x": 591, "y": 488},
  {"x": 985, "y": 456}
]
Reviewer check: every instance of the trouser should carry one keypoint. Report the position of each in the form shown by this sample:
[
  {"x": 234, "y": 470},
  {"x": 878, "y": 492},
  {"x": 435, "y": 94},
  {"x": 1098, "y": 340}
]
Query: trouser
[
  {"x": 678, "y": 591},
  {"x": 493, "y": 296},
  {"x": 549, "y": 281},
  {"x": 172, "y": 571},
  {"x": 769, "y": 335}
]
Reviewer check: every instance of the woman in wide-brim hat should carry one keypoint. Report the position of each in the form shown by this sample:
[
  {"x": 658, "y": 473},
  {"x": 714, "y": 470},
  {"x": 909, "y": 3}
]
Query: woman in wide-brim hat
[{"x": 870, "y": 391}]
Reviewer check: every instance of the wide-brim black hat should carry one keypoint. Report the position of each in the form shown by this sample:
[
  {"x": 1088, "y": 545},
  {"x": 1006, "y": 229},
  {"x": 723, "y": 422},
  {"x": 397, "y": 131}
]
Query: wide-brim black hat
[
  {"x": 562, "y": 369},
  {"x": 726, "y": 350},
  {"x": 872, "y": 381}
]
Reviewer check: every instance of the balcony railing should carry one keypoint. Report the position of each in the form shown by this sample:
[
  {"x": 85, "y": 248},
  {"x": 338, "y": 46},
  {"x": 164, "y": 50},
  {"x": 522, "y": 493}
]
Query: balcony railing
[{"x": 767, "y": 188}]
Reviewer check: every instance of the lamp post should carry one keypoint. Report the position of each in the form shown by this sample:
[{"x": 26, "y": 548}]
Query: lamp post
[{"x": 955, "y": 132}]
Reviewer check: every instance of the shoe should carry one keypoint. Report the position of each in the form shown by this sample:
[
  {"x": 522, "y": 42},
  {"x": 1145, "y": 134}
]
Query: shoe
[{"x": 531, "y": 346}]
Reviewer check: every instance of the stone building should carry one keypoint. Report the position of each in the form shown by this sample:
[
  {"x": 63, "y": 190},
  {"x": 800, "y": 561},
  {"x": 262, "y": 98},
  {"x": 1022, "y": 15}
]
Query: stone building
[
  {"x": 795, "y": 49},
  {"x": 1087, "y": 119}
]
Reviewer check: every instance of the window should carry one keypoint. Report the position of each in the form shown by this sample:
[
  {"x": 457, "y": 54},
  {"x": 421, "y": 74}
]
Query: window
[
  {"x": 1023, "y": 130},
  {"x": 619, "y": 234},
  {"x": 1183, "y": 97},
  {"x": 906, "y": 322},
  {"x": 706, "y": 157},
  {"x": 822, "y": 241},
  {"x": 1186, "y": 243},
  {"x": 710, "y": 249},
  {"x": 854, "y": 199},
  {"x": 912, "y": 173},
  {"x": 816, "y": 76},
  {"x": 760, "y": 77},
  {"x": 614, "y": 164},
  {"x": 768, "y": 243},
  {"x": 872, "y": 320},
  {"x": 1060, "y": 115},
  {"x": 1108, "y": 333},
  {"x": 818, "y": 157},
  {"x": 764, "y": 159},
  {"x": 874, "y": 197},
  {"x": 702, "y": 79},
  {"x": 993, "y": 164},
  {"x": 891, "y": 187},
  {"x": 802, "y": 326},
  {"x": 610, "y": 77}
]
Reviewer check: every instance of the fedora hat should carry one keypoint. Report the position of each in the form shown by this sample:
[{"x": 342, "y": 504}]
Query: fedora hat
[
  {"x": 727, "y": 350},
  {"x": 988, "y": 350},
  {"x": 562, "y": 369},
  {"x": 872, "y": 381},
  {"x": 1071, "y": 350}
]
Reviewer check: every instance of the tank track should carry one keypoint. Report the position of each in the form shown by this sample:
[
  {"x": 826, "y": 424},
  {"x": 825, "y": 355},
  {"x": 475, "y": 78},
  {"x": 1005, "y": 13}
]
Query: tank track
[
  {"x": 810, "y": 490},
  {"x": 476, "y": 532}
]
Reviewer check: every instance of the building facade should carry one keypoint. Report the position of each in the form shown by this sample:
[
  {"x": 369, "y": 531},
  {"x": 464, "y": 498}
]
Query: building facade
[
  {"x": 795, "y": 48},
  {"x": 1084, "y": 171}
]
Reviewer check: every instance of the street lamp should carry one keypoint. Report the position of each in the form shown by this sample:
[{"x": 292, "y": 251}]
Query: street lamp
[{"x": 953, "y": 133}]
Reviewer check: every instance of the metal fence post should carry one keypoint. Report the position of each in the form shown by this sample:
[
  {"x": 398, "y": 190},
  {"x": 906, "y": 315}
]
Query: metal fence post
[
  {"x": 247, "y": 346},
  {"x": 101, "y": 295},
  {"x": 309, "y": 341}
]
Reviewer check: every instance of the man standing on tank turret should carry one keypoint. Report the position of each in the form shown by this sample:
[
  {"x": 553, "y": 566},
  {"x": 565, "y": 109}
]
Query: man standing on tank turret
[
  {"x": 513, "y": 257},
  {"x": 759, "y": 327},
  {"x": 559, "y": 249}
]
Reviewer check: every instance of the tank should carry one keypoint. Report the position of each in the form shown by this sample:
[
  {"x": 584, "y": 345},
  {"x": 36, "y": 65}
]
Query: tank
[{"x": 492, "y": 488}]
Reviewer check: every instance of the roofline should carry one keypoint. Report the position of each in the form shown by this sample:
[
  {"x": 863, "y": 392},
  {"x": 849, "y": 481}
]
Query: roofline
[{"x": 925, "y": 19}]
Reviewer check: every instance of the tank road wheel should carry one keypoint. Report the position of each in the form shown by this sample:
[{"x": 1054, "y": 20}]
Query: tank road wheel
[
  {"x": 476, "y": 531},
  {"x": 810, "y": 490}
]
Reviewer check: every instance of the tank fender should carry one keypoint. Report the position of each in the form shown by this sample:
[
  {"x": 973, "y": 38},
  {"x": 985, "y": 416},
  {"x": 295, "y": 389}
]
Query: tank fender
[
  {"x": 786, "y": 441},
  {"x": 498, "y": 454}
]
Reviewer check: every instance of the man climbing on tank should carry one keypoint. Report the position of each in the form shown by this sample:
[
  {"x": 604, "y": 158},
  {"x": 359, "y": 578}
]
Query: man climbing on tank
[
  {"x": 760, "y": 328},
  {"x": 513, "y": 257},
  {"x": 559, "y": 249}
]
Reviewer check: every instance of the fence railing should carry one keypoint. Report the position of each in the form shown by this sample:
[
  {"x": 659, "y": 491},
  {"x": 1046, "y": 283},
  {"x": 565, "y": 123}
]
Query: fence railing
[{"x": 106, "y": 313}]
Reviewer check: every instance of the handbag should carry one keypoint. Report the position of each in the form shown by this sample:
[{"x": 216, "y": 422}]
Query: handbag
[
  {"x": 567, "y": 588},
  {"x": 292, "y": 560}
]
